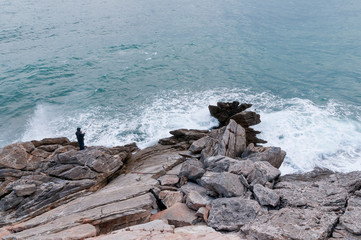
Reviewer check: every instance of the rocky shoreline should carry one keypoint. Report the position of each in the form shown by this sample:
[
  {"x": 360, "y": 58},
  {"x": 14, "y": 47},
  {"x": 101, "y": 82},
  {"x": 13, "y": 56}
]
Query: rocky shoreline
[{"x": 218, "y": 184}]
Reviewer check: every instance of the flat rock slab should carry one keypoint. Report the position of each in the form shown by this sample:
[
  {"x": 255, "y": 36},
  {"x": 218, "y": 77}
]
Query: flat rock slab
[
  {"x": 230, "y": 214},
  {"x": 159, "y": 230},
  {"x": 292, "y": 223},
  {"x": 124, "y": 202},
  {"x": 178, "y": 215}
]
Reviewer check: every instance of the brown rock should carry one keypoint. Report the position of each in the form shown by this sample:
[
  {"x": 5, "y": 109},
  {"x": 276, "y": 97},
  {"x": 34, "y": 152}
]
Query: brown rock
[
  {"x": 178, "y": 215},
  {"x": 168, "y": 180},
  {"x": 170, "y": 198},
  {"x": 51, "y": 141}
]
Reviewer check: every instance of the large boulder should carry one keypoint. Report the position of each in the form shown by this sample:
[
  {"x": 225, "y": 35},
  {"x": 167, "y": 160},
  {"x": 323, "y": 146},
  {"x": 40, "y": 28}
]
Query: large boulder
[
  {"x": 183, "y": 135},
  {"x": 230, "y": 214},
  {"x": 262, "y": 173},
  {"x": 273, "y": 155},
  {"x": 246, "y": 118},
  {"x": 224, "y": 110},
  {"x": 192, "y": 169},
  {"x": 291, "y": 223},
  {"x": 196, "y": 200},
  {"x": 266, "y": 196},
  {"x": 225, "y": 184},
  {"x": 228, "y": 141}
]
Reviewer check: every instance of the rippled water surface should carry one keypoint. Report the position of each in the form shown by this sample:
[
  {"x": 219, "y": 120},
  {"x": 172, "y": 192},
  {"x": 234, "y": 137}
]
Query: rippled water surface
[{"x": 134, "y": 70}]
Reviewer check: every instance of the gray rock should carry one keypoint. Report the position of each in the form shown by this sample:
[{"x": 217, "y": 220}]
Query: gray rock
[
  {"x": 195, "y": 200},
  {"x": 24, "y": 189},
  {"x": 321, "y": 193},
  {"x": 201, "y": 212},
  {"x": 266, "y": 196},
  {"x": 224, "y": 183},
  {"x": 224, "y": 110},
  {"x": 227, "y": 141},
  {"x": 246, "y": 118},
  {"x": 229, "y": 214},
  {"x": 199, "y": 145},
  {"x": 189, "y": 187},
  {"x": 233, "y": 141},
  {"x": 350, "y": 220},
  {"x": 10, "y": 201},
  {"x": 243, "y": 167},
  {"x": 192, "y": 169},
  {"x": 273, "y": 155},
  {"x": 51, "y": 141},
  {"x": 292, "y": 223},
  {"x": 262, "y": 173},
  {"x": 219, "y": 163},
  {"x": 168, "y": 180}
]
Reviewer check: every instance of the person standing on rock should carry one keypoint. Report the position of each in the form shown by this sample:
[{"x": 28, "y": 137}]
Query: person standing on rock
[{"x": 80, "y": 137}]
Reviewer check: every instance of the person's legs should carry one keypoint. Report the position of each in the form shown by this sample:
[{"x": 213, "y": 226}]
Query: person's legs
[{"x": 81, "y": 146}]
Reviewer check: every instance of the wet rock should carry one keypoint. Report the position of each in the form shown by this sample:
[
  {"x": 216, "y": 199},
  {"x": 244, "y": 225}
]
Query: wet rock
[
  {"x": 266, "y": 196},
  {"x": 229, "y": 214},
  {"x": 292, "y": 223},
  {"x": 246, "y": 118},
  {"x": 178, "y": 215},
  {"x": 224, "y": 183},
  {"x": 223, "y": 111},
  {"x": 192, "y": 169},
  {"x": 183, "y": 135}
]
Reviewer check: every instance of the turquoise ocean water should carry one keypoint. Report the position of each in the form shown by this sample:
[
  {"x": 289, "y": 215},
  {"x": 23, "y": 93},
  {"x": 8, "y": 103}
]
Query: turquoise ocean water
[{"x": 129, "y": 71}]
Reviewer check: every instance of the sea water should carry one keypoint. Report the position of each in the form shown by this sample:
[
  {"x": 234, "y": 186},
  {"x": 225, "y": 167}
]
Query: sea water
[{"x": 131, "y": 71}]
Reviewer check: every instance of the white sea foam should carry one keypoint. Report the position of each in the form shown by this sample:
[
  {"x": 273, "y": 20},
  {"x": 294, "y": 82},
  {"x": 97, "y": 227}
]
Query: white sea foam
[{"x": 326, "y": 136}]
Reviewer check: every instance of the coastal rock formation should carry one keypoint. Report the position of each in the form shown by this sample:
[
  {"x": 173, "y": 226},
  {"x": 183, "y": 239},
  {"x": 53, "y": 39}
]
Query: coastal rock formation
[
  {"x": 207, "y": 181},
  {"x": 39, "y": 175},
  {"x": 225, "y": 111}
]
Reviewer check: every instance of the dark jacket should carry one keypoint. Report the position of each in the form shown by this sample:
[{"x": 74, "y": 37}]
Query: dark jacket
[{"x": 80, "y": 136}]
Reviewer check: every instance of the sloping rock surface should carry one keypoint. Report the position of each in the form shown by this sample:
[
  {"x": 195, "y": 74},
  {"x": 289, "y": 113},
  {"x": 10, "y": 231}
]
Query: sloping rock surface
[{"x": 39, "y": 175}]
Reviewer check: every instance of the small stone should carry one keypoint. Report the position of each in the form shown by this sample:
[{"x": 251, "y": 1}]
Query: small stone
[
  {"x": 168, "y": 180},
  {"x": 24, "y": 189}
]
